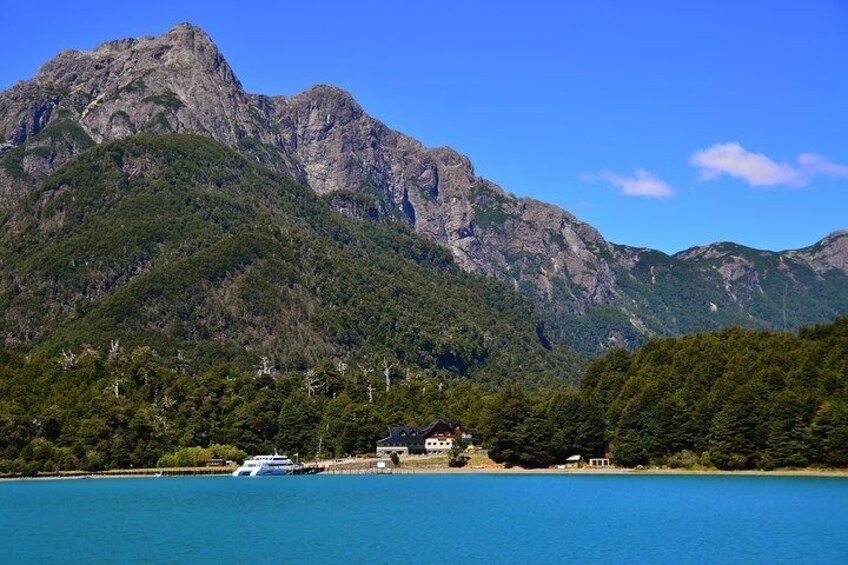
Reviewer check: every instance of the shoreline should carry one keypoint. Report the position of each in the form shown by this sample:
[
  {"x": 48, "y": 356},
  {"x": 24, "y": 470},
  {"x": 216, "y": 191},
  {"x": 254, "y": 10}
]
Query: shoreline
[
  {"x": 440, "y": 470},
  {"x": 613, "y": 471}
]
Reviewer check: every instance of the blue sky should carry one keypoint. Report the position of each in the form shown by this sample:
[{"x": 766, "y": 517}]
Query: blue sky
[{"x": 663, "y": 124}]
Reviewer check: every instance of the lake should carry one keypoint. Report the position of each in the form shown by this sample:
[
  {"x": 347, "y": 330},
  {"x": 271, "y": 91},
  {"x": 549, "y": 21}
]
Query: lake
[{"x": 428, "y": 519}]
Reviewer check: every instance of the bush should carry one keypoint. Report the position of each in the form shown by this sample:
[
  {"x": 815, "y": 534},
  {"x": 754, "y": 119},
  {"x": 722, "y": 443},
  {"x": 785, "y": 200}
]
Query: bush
[
  {"x": 683, "y": 460},
  {"x": 199, "y": 456},
  {"x": 93, "y": 461},
  {"x": 457, "y": 456}
]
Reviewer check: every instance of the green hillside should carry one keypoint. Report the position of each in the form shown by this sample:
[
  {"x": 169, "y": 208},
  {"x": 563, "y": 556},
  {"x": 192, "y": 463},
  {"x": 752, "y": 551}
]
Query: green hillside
[{"x": 180, "y": 244}]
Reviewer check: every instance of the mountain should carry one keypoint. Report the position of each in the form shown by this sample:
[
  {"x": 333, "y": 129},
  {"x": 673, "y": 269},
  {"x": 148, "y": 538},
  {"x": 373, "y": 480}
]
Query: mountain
[
  {"x": 594, "y": 293},
  {"x": 179, "y": 243}
]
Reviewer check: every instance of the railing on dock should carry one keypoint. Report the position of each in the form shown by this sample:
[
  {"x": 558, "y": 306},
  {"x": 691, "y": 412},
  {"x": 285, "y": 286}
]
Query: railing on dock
[
  {"x": 309, "y": 470},
  {"x": 368, "y": 471},
  {"x": 168, "y": 472}
]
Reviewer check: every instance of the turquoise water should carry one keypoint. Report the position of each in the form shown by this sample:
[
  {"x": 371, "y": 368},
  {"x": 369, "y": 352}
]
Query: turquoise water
[{"x": 427, "y": 519}]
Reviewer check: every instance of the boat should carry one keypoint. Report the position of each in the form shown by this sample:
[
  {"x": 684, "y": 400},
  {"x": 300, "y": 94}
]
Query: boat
[{"x": 267, "y": 465}]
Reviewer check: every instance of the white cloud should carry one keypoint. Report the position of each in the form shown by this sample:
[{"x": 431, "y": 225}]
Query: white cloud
[
  {"x": 758, "y": 170},
  {"x": 817, "y": 165},
  {"x": 642, "y": 183}
]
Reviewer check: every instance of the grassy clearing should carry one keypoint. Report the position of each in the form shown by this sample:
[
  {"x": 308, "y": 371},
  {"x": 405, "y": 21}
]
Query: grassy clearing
[{"x": 478, "y": 459}]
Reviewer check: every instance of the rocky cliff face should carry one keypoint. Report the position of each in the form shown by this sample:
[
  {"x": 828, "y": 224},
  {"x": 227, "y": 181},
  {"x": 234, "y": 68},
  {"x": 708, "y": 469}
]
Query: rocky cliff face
[
  {"x": 436, "y": 191},
  {"x": 178, "y": 82},
  {"x": 597, "y": 293}
]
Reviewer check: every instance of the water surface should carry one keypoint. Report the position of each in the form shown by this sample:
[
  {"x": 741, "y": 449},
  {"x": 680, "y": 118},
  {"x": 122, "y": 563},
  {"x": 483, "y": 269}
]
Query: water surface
[{"x": 427, "y": 519}]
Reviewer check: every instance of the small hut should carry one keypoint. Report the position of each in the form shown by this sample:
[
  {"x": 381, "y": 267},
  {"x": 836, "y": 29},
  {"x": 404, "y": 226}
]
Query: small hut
[{"x": 574, "y": 461}]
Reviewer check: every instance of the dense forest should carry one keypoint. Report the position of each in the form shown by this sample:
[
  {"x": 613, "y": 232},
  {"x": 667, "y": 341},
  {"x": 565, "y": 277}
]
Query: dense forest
[
  {"x": 179, "y": 243},
  {"x": 736, "y": 399},
  {"x": 130, "y": 408}
]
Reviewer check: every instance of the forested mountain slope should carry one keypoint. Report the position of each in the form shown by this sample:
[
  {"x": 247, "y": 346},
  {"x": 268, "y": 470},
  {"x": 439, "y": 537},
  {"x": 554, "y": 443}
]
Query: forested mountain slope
[{"x": 178, "y": 243}]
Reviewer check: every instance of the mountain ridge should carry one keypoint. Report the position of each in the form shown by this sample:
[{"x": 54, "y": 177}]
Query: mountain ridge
[{"x": 617, "y": 294}]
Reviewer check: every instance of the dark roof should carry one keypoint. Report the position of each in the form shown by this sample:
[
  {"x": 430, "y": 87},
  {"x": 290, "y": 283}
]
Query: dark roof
[
  {"x": 415, "y": 435},
  {"x": 404, "y": 435},
  {"x": 440, "y": 425}
]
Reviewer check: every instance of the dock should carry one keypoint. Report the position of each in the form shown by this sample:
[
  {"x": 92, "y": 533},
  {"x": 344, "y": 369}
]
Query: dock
[
  {"x": 166, "y": 472},
  {"x": 309, "y": 470},
  {"x": 369, "y": 471}
]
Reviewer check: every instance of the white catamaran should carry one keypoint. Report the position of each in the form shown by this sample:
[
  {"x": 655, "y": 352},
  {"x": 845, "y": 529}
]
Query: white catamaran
[{"x": 264, "y": 465}]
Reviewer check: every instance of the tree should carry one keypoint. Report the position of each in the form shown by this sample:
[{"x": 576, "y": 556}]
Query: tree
[
  {"x": 503, "y": 424},
  {"x": 536, "y": 445},
  {"x": 630, "y": 450},
  {"x": 788, "y": 443},
  {"x": 576, "y": 426},
  {"x": 457, "y": 456},
  {"x": 829, "y": 431},
  {"x": 298, "y": 422},
  {"x": 736, "y": 433}
]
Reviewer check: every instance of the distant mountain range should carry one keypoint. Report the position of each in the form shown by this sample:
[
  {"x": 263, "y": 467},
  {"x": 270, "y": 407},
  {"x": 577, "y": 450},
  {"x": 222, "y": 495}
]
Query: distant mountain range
[{"x": 590, "y": 293}]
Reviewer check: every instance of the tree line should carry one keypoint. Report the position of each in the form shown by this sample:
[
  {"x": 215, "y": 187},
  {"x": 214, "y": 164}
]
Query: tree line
[{"x": 735, "y": 399}]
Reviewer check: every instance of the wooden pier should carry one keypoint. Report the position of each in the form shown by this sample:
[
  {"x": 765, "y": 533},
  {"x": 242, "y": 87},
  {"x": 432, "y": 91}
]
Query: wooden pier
[
  {"x": 166, "y": 472},
  {"x": 368, "y": 471},
  {"x": 309, "y": 470}
]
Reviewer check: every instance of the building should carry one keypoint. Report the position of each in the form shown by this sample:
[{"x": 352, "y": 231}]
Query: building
[
  {"x": 438, "y": 437},
  {"x": 403, "y": 440},
  {"x": 574, "y": 461}
]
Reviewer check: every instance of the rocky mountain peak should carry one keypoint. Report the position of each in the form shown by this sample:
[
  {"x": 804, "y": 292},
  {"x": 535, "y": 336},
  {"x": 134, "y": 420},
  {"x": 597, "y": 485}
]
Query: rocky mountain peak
[
  {"x": 185, "y": 45},
  {"x": 180, "y": 82},
  {"x": 831, "y": 253},
  {"x": 328, "y": 97},
  {"x": 835, "y": 237},
  {"x": 189, "y": 34}
]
